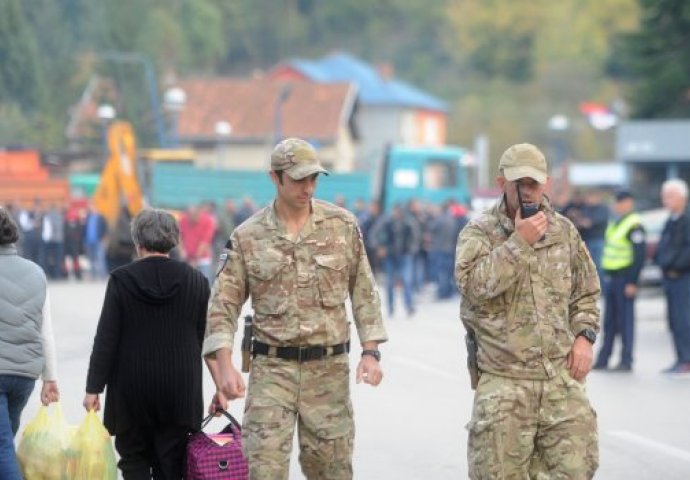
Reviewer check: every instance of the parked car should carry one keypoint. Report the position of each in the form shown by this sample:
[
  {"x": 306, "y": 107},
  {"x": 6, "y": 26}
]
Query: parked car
[{"x": 653, "y": 222}]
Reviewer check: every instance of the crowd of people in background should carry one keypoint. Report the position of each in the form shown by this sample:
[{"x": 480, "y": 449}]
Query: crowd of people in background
[
  {"x": 63, "y": 240},
  {"x": 59, "y": 238},
  {"x": 412, "y": 246},
  {"x": 616, "y": 238},
  {"x": 411, "y": 249}
]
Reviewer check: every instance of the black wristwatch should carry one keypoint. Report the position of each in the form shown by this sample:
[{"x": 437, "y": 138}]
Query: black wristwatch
[
  {"x": 374, "y": 353},
  {"x": 589, "y": 334}
]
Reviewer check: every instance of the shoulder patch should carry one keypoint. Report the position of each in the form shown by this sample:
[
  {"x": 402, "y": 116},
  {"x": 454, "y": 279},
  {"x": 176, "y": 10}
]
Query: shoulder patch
[{"x": 222, "y": 261}]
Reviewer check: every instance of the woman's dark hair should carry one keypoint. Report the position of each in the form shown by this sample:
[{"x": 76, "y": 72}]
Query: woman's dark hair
[
  {"x": 155, "y": 230},
  {"x": 9, "y": 233}
]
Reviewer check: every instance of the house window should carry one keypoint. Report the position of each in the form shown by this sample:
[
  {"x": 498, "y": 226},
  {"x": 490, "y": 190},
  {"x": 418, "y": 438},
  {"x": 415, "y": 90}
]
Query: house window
[
  {"x": 406, "y": 178},
  {"x": 440, "y": 174},
  {"x": 432, "y": 134}
]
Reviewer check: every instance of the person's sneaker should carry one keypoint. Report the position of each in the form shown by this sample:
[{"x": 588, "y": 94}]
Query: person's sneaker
[
  {"x": 623, "y": 368},
  {"x": 678, "y": 369}
]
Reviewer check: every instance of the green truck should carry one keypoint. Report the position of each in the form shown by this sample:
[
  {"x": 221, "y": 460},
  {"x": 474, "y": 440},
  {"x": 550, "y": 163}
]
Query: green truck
[{"x": 429, "y": 174}]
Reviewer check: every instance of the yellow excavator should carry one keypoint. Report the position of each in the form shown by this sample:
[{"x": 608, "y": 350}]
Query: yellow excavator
[
  {"x": 119, "y": 195},
  {"x": 119, "y": 187}
]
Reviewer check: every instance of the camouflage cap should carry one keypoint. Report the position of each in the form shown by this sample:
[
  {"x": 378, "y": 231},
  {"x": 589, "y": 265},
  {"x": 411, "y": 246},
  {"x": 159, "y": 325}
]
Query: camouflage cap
[
  {"x": 297, "y": 158},
  {"x": 523, "y": 160}
]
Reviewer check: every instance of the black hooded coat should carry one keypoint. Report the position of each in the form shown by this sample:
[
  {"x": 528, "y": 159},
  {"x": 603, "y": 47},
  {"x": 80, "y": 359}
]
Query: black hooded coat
[{"x": 147, "y": 348}]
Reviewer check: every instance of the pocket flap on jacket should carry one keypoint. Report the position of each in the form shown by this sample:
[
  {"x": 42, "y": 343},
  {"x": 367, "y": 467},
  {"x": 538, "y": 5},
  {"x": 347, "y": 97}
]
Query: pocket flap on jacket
[{"x": 332, "y": 261}]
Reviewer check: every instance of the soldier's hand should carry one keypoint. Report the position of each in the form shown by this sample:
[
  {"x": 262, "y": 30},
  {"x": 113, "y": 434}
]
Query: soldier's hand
[
  {"x": 369, "y": 370},
  {"x": 232, "y": 384},
  {"x": 218, "y": 403},
  {"x": 579, "y": 360},
  {"x": 531, "y": 229}
]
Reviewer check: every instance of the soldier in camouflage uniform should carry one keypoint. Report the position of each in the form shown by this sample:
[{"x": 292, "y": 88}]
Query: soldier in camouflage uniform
[
  {"x": 299, "y": 259},
  {"x": 529, "y": 292}
]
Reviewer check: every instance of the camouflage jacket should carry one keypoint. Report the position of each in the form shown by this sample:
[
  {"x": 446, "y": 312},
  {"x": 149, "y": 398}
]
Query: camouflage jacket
[
  {"x": 525, "y": 303},
  {"x": 298, "y": 288}
]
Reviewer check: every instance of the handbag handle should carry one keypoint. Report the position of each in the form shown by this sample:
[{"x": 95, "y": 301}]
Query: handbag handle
[{"x": 227, "y": 414}]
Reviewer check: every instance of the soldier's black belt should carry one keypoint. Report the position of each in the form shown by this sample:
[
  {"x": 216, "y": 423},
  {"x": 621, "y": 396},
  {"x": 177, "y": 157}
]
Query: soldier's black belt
[{"x": 300, "y": 354}]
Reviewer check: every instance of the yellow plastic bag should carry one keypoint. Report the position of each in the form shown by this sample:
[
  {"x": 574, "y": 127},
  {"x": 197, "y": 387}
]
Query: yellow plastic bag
[
  {"x": 91, "y": 455},
  {"x": 42, "y": 451}
]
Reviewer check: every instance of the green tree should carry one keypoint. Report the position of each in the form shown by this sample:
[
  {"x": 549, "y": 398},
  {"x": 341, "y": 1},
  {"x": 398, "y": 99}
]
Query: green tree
[
  {"x": 202, "y": 25},
  {"x": 657, "y": 60},
  {"x": 522, "y": 62},
  {"x": 504, "y": 66},
  {"x": 21, "y": 75},
  {"x": 496, "y": 38},
  {"x": 56, "y": 36},
  {"x": 15, "y": 127}
]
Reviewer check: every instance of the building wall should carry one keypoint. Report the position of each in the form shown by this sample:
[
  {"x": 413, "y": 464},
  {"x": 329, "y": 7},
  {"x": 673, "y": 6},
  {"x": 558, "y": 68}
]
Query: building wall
[
  {"x": 233, "y": 156},
  {"x": 339, "y": 156},
  {"x": 377, "y": 126},
  {"x": 653, "y": 151},
  {"x": 430, "y": 128},
  {"x": 345, "y": 150}
]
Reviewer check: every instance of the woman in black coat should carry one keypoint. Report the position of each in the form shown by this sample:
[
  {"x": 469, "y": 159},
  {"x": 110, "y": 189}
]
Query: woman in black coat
[{"x": 147, "y": 352}]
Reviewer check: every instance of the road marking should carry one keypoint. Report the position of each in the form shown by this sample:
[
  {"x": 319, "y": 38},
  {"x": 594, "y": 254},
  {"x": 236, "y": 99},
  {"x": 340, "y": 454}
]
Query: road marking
[
  {"x": 424, "y": 368},
  {"x": 669, "y": 450}
]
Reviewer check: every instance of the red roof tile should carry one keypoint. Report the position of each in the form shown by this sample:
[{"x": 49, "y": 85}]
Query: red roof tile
[{"x": 311, "y": 110}]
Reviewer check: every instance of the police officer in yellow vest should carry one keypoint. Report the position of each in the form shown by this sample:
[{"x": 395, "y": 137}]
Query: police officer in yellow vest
[{"x": 622, "y": 261}]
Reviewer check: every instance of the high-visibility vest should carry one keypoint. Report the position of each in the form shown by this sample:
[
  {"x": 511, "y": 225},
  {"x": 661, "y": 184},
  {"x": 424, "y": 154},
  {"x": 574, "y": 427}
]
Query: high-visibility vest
[{"x": 618, "y": 249}]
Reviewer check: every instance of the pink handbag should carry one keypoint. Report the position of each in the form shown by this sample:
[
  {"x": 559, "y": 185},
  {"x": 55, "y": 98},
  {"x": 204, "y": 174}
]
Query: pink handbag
[{"x": 217, "y": 456}]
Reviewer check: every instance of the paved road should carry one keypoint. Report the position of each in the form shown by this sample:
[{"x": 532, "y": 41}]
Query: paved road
[{"x": 412, "y": 426}]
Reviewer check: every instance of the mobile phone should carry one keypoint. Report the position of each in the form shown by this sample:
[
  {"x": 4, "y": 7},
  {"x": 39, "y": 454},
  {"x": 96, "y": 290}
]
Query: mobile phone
[{"x": 526, "y": 209}]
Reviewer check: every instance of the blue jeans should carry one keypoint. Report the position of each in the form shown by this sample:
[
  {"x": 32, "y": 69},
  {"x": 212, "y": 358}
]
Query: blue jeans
[
  {"x": 443, "y": 270},
  {"x": 96, "y": 255},
  {"x": 14, "y": 393},
  {"x": 55, "y": 259},
  {"x": 419, "y": 271},
  {"x": 400, "y": 267},
  {"x": 677, "y": 292}
]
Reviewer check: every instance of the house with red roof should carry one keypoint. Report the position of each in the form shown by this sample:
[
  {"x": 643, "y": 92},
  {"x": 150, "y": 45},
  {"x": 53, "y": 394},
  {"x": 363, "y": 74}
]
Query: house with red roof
[
  {"x": 390, "y": 111},
  {"x": 235, "y": 122},
  {"x": 347, "y": 108}
]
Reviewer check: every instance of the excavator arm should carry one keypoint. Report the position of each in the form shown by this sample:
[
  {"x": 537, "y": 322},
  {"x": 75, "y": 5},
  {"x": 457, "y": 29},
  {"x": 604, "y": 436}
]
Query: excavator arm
[{"x": 119, "y": 185}]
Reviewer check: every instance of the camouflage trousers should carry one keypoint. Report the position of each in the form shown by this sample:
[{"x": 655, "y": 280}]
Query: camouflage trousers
[
  {"x": 315, "y": 395},
  {"x": 532, "y": 429}
]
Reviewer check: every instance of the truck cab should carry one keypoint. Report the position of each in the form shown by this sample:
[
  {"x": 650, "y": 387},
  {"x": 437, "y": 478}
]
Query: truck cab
[{"x": 429, "y": 174}]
